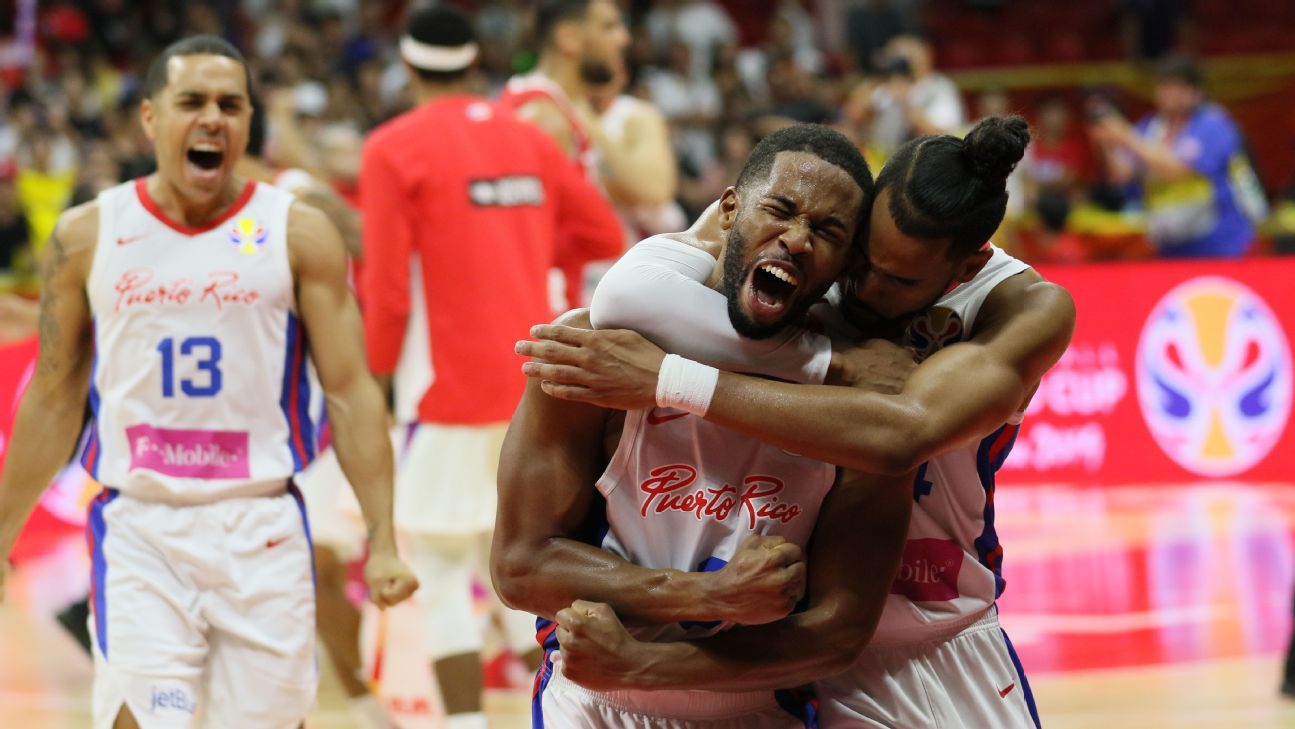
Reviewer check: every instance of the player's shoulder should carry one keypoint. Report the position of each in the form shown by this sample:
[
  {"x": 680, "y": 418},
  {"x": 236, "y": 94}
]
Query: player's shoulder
[
  {"x": 306, "y": 220},
  {"x": 394, "y": 130},
  {"x": 78, "y": 225},
  {"x": 1028, "y": 298}
]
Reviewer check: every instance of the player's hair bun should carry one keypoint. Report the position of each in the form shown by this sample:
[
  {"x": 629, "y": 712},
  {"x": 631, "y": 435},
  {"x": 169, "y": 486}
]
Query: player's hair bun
[{"x": 994, "y": 146}]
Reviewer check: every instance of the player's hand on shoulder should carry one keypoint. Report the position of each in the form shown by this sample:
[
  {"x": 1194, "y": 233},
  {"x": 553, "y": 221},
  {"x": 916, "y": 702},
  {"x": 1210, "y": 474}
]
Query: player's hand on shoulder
[
  {"x": 762, "y": 582},
  {"x": 596, "y": 647},
  {"x": 390, "y": 581},
  {"x": 876, "y": 364},
  {"x": 611, "y": 368}
]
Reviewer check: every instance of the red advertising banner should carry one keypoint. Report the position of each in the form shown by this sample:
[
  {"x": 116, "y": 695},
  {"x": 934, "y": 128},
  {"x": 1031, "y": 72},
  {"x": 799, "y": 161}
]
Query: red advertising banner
[
  {"x": 1178, "y": 371},
  {"x": 17, "y": 362}
]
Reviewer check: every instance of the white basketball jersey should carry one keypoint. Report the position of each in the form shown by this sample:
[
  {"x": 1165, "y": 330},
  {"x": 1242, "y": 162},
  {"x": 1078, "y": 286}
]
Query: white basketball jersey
[
  {"x": 951, "y": 568},
  {"x": 684, "y": 493},
  {"x": 199, "y": 387},
  {"x": 952, "y": 561}
]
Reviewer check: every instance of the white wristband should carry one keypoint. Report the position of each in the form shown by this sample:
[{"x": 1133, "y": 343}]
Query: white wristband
[{"x": 685, "y": 385}]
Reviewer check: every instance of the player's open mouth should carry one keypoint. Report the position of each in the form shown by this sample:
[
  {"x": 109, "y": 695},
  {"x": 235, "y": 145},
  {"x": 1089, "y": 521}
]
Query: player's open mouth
[
  {"x": 205, "y": 159},
  {"x": 774, "y": 284}
]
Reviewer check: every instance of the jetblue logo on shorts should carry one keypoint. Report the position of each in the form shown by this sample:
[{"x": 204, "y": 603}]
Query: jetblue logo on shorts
[
  {"x": 507, "y": 192},
  {"x": 1214, "y": 376},
  {"x": 170, "y": 699}
]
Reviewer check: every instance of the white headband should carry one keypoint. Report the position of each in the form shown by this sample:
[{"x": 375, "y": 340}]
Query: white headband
[{"x": 437, "y": 58}]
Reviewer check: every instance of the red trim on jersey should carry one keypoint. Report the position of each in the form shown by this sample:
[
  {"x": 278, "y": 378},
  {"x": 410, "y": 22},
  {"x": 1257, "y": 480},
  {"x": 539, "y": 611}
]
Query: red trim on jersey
[
  {"x": 1005, "y": 437},
  {"x": 141, "y": 188}
]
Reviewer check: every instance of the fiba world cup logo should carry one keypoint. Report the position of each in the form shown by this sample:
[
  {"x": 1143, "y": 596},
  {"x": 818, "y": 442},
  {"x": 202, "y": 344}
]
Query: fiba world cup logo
[
  {"x": 1214, "y": 376},
  {"x": 248, "y": 236}
]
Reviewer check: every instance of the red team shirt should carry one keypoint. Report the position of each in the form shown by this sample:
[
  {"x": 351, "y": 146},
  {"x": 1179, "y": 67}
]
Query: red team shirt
[{"x": 490, "y": 204}]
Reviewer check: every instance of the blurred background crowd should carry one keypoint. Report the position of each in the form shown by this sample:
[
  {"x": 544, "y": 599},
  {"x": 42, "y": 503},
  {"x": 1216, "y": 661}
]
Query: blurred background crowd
[{"x": 723, "y": 72}]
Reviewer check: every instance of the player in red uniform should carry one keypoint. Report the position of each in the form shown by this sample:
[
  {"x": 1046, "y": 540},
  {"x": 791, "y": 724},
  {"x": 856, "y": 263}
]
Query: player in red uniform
[{"x": 488, "y": 204}]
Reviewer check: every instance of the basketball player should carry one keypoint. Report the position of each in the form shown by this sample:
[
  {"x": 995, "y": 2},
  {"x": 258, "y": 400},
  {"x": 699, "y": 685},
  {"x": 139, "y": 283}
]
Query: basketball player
[
  {"x": 487, "y": 204},
  {"x": 682, "y": 497},
  {"x": 183, "y": 302},
  {"x": 582, "y": 44},
  {"x": 986, "y": 328},
  {"x": 643, "y": 187}
]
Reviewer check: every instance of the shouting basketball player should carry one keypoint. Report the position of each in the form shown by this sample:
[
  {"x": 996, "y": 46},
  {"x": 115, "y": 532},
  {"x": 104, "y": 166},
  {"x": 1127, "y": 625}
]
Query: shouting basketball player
[
  {"x": 986, "y": 327},
  {"x": 690, "y": 528},
  {"x": 183, "y": 304}
]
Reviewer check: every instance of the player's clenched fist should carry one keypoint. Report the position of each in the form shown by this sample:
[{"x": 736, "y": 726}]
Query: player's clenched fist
[
  {"x": 595, "y": 646},
  {"x": 389, "y": 579},
  {"x": 762, "y": 582}
]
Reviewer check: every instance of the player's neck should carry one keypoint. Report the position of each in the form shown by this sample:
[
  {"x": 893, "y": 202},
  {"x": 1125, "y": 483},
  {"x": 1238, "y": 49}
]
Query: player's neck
[
  {"x": 565, "y": 74},
  {"x": 425, "y": 92},
  {"x": 193, "y": 213}
]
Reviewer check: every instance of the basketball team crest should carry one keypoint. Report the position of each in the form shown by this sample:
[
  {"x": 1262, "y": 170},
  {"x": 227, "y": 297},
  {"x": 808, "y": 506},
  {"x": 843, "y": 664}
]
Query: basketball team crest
[
  {"x": 933, "y": 330},
  {"x": 1214, "y": 376},
  {"x": 248, "y": 236}
]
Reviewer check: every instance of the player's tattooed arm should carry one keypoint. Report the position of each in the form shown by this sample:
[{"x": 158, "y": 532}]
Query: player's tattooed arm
[{"x": 49, "y": 417}]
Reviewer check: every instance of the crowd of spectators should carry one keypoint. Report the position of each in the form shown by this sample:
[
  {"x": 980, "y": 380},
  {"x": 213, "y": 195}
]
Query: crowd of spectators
[{"x": 327, "y": 73}]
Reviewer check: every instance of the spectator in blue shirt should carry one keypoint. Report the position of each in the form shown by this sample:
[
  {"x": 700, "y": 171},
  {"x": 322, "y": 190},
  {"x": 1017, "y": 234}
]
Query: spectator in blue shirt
[{"x": 1186, "y": 164}]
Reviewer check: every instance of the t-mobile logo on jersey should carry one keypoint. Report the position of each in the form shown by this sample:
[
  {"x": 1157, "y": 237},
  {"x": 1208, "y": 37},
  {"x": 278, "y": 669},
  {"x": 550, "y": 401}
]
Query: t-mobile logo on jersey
[
  {"x": 189, "y": 453},
  {"x": 929, "y": 570},
  {"x": 760, "y": 497}
]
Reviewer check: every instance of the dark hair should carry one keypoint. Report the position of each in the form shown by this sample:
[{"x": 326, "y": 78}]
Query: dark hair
[
  {"x": 443, "y": 26},
  {"x": 821, "y": 141},
  {"x": 199, "y": 45},
  {"x": 548, "y": 13},
  {"x": 945, "y": 188},
  {"x": 256, "y": 128},
  {"x": 1181, "y": 68}
]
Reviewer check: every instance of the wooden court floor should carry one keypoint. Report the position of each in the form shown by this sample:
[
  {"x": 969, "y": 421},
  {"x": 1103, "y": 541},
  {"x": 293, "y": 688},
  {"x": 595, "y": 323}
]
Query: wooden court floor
[{"x": 1161, "y": 607}]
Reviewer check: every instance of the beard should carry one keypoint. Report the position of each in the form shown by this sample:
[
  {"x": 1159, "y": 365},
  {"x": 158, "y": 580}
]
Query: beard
[
  {"x": 734, "y": 275},
  {"x": 595, "y": 72}
]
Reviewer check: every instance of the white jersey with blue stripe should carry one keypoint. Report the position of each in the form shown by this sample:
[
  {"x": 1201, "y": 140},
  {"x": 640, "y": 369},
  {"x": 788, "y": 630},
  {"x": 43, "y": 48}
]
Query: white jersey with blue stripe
[
  {"x": 199, "y": 388},
  {"x": 951, "y": 569}
]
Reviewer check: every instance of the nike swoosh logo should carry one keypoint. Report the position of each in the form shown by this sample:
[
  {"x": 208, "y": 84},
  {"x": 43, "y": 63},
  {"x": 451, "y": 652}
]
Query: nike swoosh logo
[
  {"x": 654, "y": 419},
  {"x": 127, "y": 241},
  {"x": 272, "y": 543},
  {"x": 1003, "y": 694}
]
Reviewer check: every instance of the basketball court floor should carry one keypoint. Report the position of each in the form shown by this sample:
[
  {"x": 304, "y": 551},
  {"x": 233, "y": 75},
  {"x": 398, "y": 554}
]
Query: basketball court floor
[{"x": 1157, "y": 607}]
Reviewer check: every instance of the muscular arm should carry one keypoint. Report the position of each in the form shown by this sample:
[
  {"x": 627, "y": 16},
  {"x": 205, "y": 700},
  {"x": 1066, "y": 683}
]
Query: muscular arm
[
  {"x": 853, "y": 556},
  {"x": 641, "y": 170},
  {"x": 355, "y": 406},
  {"x": 552, "y": 457},
  {"x": 963, "y": 391},
  {"x": 49, "y": 418}
]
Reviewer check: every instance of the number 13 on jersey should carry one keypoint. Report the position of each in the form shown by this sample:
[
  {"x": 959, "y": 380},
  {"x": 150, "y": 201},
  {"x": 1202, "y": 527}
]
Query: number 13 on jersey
[{"x": 206, "y": 351}]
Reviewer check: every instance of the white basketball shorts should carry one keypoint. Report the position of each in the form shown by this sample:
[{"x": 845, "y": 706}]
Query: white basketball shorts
[
  {"x": 972, "y": 680},
  {"x": 446, "y": 481},
  {"x": 202, "y": 615},
  {"x": 561, "y": 704}
]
